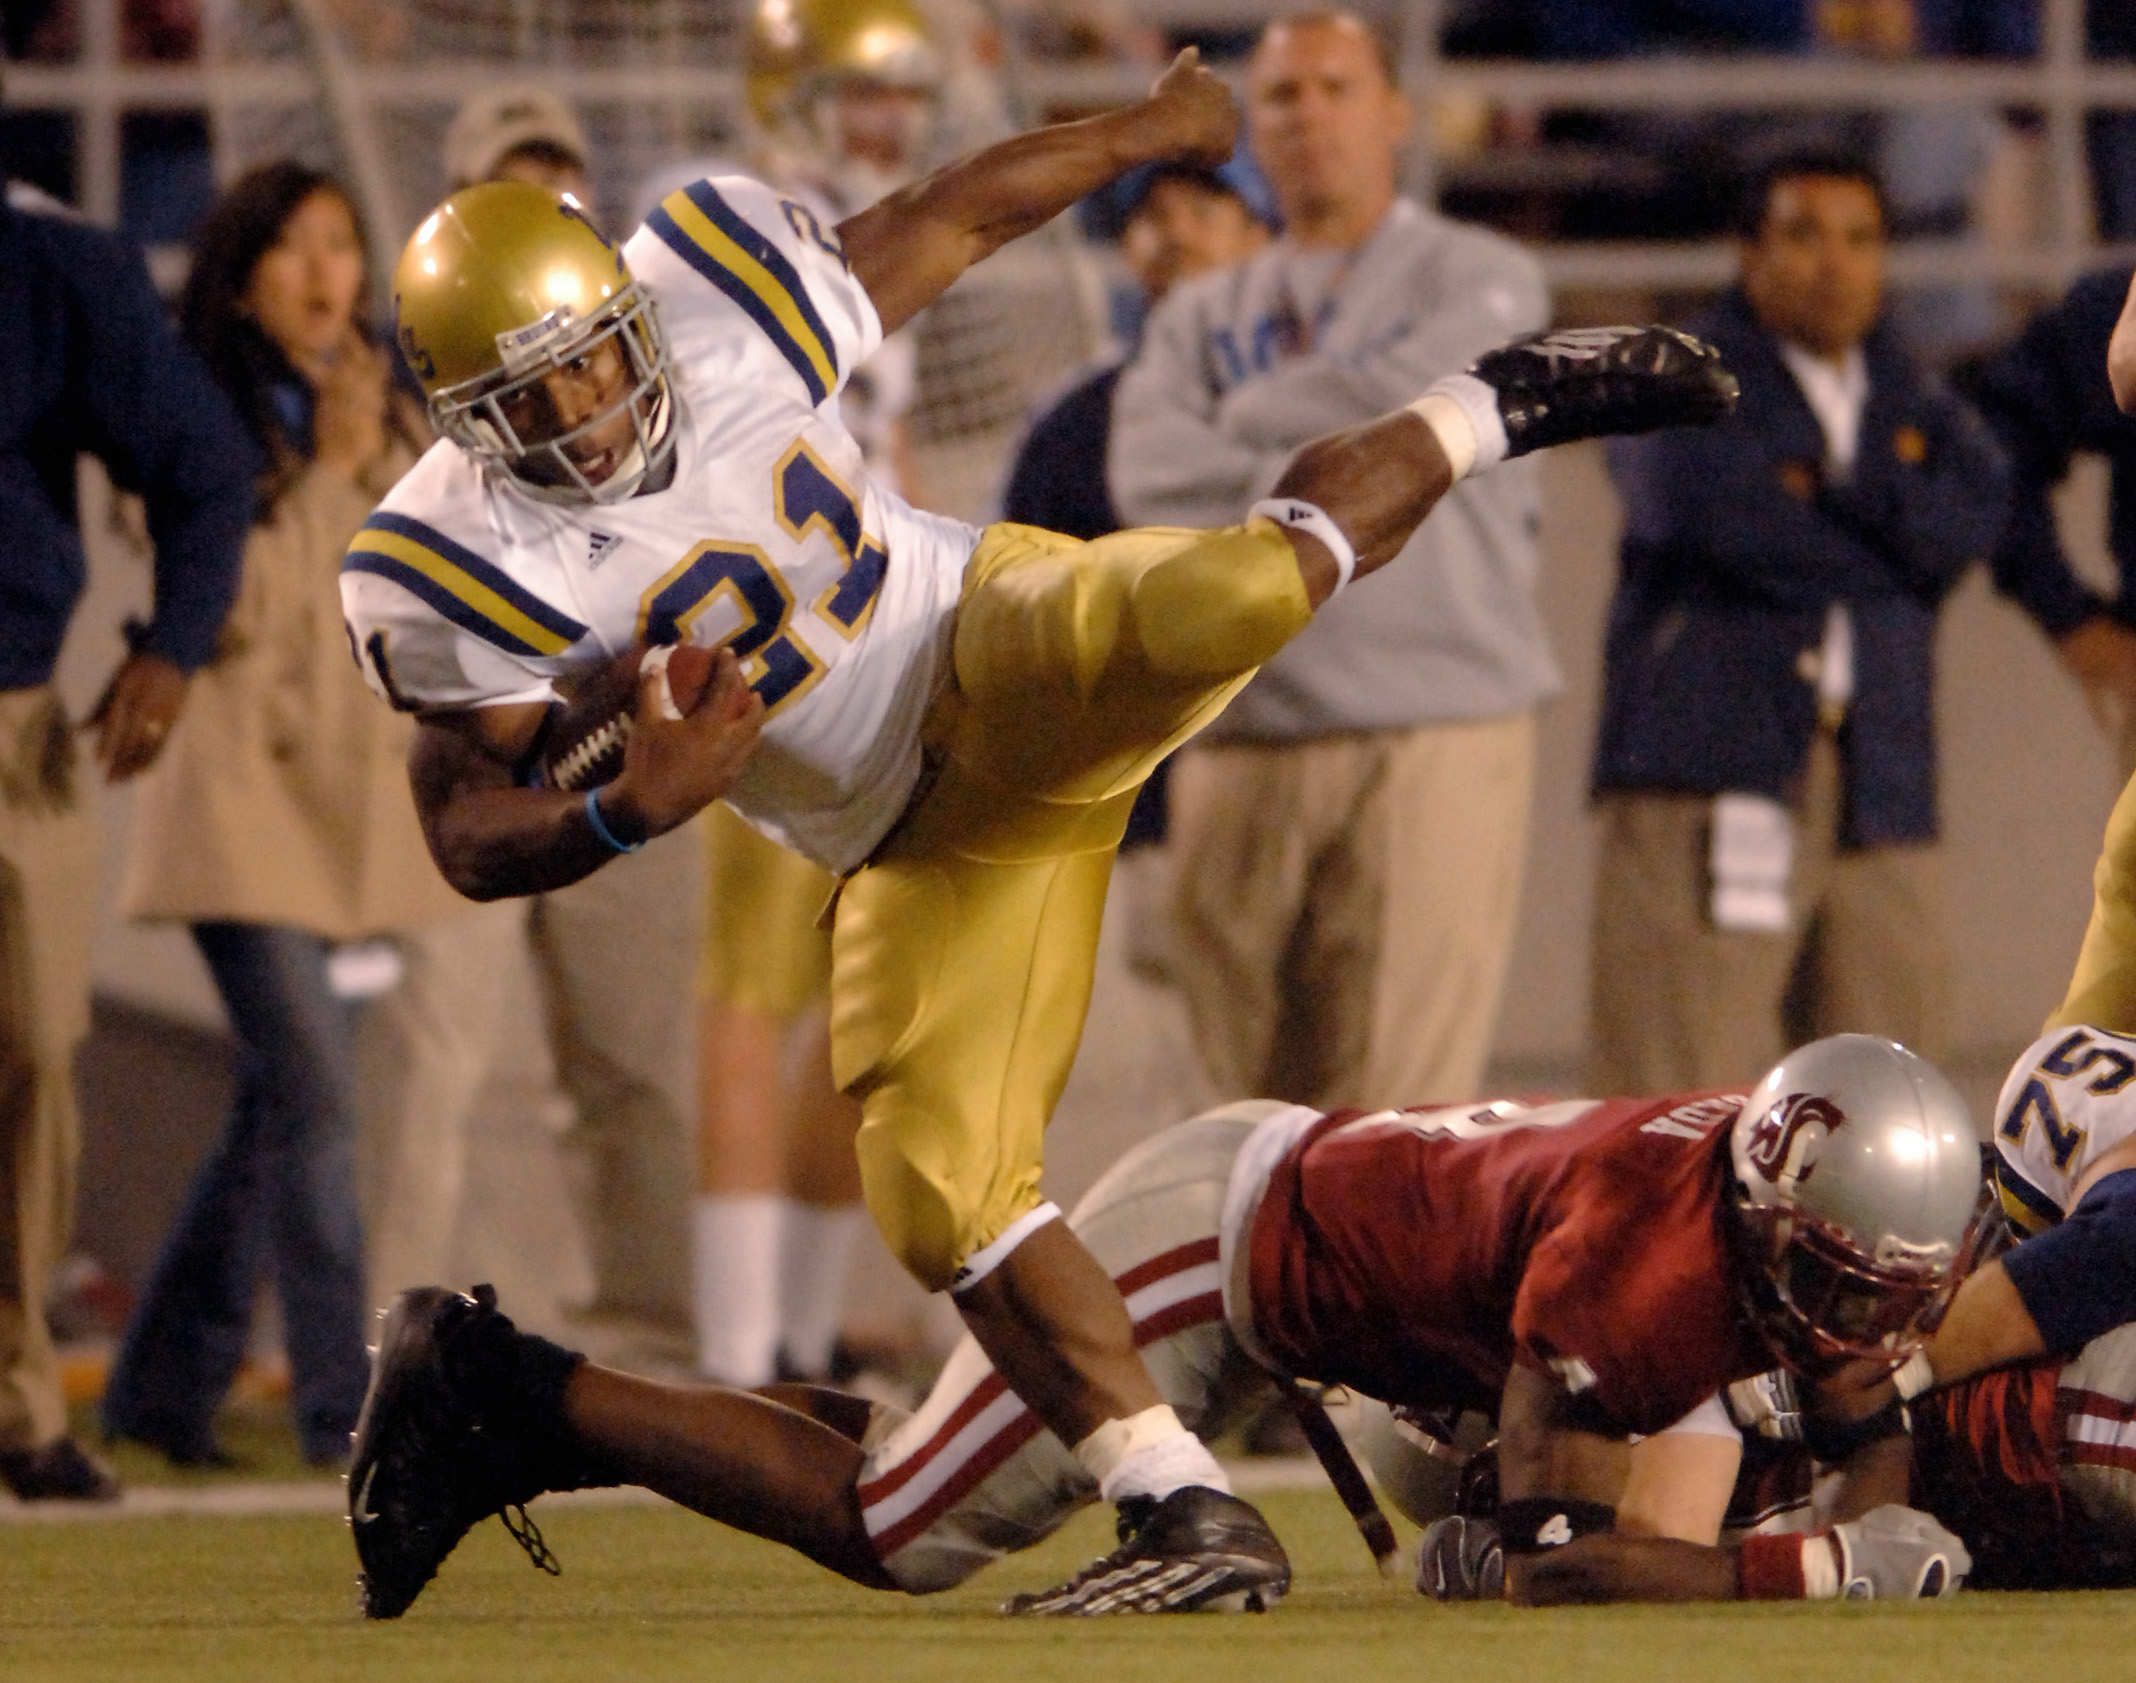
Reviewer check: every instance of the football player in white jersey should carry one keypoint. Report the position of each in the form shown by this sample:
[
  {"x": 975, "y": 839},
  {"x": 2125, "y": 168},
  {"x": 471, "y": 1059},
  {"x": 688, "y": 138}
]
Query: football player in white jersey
[{"x": 641, "y": 446}]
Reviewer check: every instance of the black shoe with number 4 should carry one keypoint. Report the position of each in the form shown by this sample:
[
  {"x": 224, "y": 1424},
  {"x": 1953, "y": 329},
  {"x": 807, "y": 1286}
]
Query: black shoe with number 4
[
  {"x": 1198, "y": 1550},
  {"x": 1590, "y": 382}
]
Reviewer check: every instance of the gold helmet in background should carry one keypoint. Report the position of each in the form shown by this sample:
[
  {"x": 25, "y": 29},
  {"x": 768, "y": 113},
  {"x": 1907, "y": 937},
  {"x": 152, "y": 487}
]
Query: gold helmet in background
[
  {"x": 503, "y": 285},
  {"x": 803, "y": 55}
]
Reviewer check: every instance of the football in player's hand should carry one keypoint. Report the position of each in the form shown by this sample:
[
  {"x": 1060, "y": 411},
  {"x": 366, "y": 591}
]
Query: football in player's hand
[{"x": 587, "y": 736}]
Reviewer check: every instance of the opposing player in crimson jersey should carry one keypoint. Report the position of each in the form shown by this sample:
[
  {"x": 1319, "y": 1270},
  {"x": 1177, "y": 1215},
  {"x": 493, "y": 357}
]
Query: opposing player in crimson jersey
[
  {"x": 2024, "y": 1403},
  {"x": 1589, "y": 1270}
]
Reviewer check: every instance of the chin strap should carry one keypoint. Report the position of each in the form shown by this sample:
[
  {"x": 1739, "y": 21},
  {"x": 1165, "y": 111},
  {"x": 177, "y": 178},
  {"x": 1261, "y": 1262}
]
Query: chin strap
[{"x": 1343, "y": 1473}]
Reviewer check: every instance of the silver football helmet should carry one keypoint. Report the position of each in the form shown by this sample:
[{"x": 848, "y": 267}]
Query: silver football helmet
[{"x": 1859, "y": 1192}]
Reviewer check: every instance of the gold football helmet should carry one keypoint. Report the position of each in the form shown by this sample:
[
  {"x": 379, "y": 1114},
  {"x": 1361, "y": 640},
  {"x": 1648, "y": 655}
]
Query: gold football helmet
[
  {"x": 802, "y": 53},
  {"x": 506, "y": 286}
]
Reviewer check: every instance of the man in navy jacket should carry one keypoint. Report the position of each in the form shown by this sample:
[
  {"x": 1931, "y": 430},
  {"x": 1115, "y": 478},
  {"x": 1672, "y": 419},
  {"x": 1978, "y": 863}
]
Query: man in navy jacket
[
  {"x": 1766, "y": 765},
  {"x": 2047, "y": 396},
  {"x": 87, "y": 364}
]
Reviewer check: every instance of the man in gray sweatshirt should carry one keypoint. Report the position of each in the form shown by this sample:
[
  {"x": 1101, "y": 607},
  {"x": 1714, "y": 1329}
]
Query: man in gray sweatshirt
[{"x": 1351, "y": 833}]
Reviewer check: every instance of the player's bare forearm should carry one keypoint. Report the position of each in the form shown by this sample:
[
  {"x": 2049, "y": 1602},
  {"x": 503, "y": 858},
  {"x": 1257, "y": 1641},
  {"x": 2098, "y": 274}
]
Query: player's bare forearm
[
  {"x": 1376, "y": 481},
  {"x": 494, "y": 838},
  {"x": 491, "y": 837},
  {"x": 1987, "y": 1325},
  {"x": 2121, "y": 355},
  {"x": 908, "y": 249},
  {"x": 1874, "y": 1475},
  {"x": 1619, "y": 1568},
  {"x": 1541, "y": 1455}
]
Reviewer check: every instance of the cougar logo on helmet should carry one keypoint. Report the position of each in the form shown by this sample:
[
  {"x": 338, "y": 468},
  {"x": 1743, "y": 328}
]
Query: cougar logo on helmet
[{"x": 1781, "y": 1146}]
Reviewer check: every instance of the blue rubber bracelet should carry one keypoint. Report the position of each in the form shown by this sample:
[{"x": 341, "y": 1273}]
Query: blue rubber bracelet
[{"x": 608, "y": 837}]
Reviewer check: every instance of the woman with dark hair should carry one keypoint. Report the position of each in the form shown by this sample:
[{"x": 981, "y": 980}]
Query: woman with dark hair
[{"x": 277, "y": 824}]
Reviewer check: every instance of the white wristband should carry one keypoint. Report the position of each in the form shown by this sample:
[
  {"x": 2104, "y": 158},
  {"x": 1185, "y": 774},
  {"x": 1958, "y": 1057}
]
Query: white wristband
[
  {"x": 1462, "y": 413},
  {"x": 1303, "y": 516},
  {"x": 1915, "y": 1377},
  {"x": 1820, "y": 1566}
]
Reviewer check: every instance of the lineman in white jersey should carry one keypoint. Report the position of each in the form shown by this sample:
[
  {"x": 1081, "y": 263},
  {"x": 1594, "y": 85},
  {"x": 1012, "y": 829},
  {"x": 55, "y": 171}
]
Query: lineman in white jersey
[
  {"x": 958, "y": 720},
  {"x": 2065, "y": 1170}
]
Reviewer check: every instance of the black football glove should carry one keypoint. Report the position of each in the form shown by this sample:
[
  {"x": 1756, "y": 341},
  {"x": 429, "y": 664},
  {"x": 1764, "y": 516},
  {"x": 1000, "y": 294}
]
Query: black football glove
[{"x": 1462, "y": 1560}]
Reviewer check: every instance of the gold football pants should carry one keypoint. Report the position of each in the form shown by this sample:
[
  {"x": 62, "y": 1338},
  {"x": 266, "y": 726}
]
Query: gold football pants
[
  {"x": 963, "y": 950},
  {"x": 2102, "y": 991},
  {"x": 763, "y": 949}
]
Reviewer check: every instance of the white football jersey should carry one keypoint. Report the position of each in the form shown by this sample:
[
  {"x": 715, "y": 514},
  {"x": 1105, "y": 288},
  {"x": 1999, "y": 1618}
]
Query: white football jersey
[
  {"x": 463, "y": 591},
  {"x": 2068, "y": 1101}
]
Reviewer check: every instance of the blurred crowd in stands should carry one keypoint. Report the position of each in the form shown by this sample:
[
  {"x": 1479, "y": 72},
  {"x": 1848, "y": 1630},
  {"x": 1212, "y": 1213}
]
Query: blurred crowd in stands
[{"x": 1341, "y": 860}]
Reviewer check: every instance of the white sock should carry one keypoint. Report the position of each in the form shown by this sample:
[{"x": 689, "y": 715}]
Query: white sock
[
  {"x": 816, "y": 1257},
  {"x": 1462, "y": 413},
  {"x": 736, "y": 1257},
  {"x": 1148, "y": 1454}
]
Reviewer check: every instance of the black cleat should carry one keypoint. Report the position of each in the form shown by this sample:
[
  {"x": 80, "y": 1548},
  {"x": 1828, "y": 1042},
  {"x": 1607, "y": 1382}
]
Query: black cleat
[
  {"x": 1590, "y": 382},
  {"x": 426, "y": 1468},
  {"x": 1198, "y": 1550}
]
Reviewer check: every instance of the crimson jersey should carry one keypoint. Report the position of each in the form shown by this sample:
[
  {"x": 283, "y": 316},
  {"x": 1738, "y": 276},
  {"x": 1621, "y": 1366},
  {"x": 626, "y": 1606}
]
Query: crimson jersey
[
  {"x": 2035, "y": 1467},
  {"x": 1416, "y": 1255}
]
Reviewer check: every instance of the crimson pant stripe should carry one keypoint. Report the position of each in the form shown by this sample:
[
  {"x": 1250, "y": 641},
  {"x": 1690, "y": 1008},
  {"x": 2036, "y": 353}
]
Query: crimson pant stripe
[{"x": 981, "y": 1459}]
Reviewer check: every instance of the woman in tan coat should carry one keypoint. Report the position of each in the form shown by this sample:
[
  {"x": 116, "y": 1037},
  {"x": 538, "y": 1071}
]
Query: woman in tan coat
[{"x": 277, "y": 824}]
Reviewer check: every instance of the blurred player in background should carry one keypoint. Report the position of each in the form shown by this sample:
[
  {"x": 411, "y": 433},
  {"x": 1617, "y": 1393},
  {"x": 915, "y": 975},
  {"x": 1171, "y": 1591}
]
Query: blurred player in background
[{"x": 843, "y": 107}]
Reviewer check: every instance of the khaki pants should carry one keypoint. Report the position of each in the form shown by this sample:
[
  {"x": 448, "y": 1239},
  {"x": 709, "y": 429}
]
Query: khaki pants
[
  {"x": 48, "y": 899},
  {"x": 1346, "y": 908},
  {"x": 1679, "y": 1004},
  {"x": 615, "y": 955}
]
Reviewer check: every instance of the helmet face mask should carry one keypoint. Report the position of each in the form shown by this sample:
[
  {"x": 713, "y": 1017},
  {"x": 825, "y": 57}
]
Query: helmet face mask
[
  {"x": 477, "y": 414},
  {"x": 1858, "y": 1201},
  {"x": 1818, "y": 1303}
]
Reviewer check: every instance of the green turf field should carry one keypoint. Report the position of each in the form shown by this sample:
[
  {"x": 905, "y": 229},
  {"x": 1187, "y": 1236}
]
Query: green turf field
[{"x": 648, "y": 1595}]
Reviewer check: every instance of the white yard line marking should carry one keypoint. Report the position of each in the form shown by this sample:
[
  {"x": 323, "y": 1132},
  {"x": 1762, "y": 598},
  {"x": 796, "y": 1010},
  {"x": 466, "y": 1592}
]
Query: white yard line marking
[{"x": 318, "y": 1496}]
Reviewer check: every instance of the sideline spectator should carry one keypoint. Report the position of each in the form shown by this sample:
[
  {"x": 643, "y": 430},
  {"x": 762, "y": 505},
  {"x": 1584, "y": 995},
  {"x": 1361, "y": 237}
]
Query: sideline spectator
[
  {"x": 1174, "y": 222},
  {"x": 1350, "y": 841},
  {"x": 521, "y": 133},
  {"x": 91, "y": 366},
  {"x": 278, "y": 824},
  {"x": 2110, "y": 136},
  {"x": 613, "y": 956},
  {"x": 1766, "y": 765},
  {"x": 2048, "y": 398}
]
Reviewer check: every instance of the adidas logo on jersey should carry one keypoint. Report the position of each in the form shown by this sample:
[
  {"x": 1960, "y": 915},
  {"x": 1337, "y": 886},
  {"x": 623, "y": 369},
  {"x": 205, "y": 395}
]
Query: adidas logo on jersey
[{"x": 603, "y": 545}]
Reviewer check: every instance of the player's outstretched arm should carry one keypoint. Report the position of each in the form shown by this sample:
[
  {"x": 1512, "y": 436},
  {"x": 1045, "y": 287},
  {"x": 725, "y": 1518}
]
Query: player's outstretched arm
[
  {"x": 2121, "y": 355},
  {"x": 1557, "y": 1514},
  {"x": 494, "y": 838},
  {"x": 1561, "y": 1545},
  {"x": 907, "y": 249}
]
